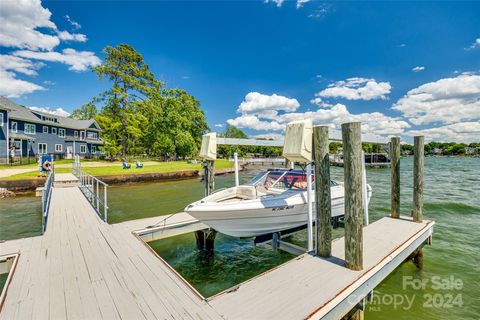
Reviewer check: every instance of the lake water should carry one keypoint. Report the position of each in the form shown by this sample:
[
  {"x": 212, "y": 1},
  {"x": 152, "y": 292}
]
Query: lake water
[{"x": 449, "y": 283}]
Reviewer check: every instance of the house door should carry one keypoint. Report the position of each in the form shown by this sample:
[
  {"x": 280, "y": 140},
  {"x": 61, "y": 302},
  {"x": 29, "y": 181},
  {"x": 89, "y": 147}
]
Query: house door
[{"x": 69, "y": 152}]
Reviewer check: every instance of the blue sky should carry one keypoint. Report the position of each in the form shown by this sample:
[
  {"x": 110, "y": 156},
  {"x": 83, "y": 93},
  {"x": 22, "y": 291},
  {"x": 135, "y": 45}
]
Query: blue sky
[{"x": 260, "y": 64}]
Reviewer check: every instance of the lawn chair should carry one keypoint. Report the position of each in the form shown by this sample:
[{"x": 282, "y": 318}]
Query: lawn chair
[
  {"x": 138, "y": 164},
  {"x": 126, "y": 165}
]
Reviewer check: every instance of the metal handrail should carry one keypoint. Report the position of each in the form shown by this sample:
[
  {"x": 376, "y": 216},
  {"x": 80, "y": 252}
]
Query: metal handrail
[
  {"x": 94, "y": 189},
  {"x": 46, "y": 196}
]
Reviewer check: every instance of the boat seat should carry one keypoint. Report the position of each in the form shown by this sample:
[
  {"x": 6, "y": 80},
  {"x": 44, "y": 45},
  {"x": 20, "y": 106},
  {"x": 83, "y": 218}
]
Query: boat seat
[{"x": 246, "y": 192}]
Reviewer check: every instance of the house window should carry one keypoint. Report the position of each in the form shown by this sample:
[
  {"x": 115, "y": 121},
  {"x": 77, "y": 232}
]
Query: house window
[
  {"x": 83, "y": 148},
  {"x": 29, "y": 128},
  {"x": 54, "y": 130},
  {"x": 58, "y": 148},
  {"x": 14, "y": 127},
  {"x": 82, "y": 135},
  {"x": 75, "y": 134},
  {"x": 61, "y": 133},
  {"x": 45, "y": 129},
  {"x": 94, "y": 149},
  {"x": 42, "y": 148},
  {"x": 1, "y": 119},
  {"x": 92, "y": 135}
]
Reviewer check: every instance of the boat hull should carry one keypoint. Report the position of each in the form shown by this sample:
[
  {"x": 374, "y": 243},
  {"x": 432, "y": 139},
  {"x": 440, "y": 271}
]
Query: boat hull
[{"x": 255, "y": 218}]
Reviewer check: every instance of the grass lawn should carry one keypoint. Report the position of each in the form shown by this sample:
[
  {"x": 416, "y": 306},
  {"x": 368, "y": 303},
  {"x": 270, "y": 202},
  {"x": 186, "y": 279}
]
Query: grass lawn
[
  {"x": 32, "y": 165},
  {"x": 117, "y": 169}
]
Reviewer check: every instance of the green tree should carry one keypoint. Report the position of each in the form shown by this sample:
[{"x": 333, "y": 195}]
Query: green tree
[
  {"x": 87, "y": 111},
  {"x": 234, "y": 132},
  {"x": 132, "y": 82},
  {"x": 334, "y": 147}
]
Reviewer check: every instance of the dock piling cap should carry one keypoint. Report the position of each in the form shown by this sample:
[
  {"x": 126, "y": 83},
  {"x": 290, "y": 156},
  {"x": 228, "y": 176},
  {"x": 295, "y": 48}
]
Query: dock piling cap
[
  {"x": 208, "y": 149},
  {"x": 298, "y": 141}
]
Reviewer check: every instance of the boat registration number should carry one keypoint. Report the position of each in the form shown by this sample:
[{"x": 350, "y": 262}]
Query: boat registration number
[{"x": 282, "y": 208}]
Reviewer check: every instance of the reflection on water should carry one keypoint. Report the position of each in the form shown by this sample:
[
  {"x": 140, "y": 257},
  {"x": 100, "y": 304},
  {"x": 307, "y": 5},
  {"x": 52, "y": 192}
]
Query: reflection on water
[
  {"x": 20, "y": 217},
  {"x": 234, "y": 261}
]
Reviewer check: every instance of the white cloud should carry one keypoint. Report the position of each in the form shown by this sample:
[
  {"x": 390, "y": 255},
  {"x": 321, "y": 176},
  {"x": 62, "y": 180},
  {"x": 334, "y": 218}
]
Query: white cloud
[
  {"x": 58, "y": 112},
  {"x": 300, "y": 3},
  {"x": 253, "y": 122},
  {"x": 266, "y": 106},
  {"x": 372, "y": 123},
  {"x": 357, "y": 89},
  {"x": 19, "y": 20},
  {"x": 219, "y": 125},
  {"x": 11, "y": 87},
  {"x": 277, "y": 2},
  {"x": 27, "y": 25},
  {"x": 459, "y": 132},
  {"x": 75, "y": 24},
  {"x": 67, "y": 36},
  {"x": 474, "y": 45},
  {"x": 77, "y": 60},
  {"x": 17, "y": 64},
  {"x": 402, "y": 45},
  {"x": 418, "y": 69},
  {"x": 319, "y": 102},
  {"x": 321, "y": 11},
  {"x": 447, "y": 101}
]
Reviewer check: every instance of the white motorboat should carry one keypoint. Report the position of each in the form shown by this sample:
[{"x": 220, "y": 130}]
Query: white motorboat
[{"x": 272, "y": 201}]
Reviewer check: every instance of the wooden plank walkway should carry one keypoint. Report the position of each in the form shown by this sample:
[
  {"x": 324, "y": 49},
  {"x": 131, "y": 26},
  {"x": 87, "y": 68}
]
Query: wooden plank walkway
[
  {"x": 309, "y": 286},
  {"x": 65, "y": 177},
  {"x": 82, "y": 268}
]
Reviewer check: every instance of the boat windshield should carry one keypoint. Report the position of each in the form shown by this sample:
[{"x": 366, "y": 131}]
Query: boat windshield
[{"x": 282, "y": 179}]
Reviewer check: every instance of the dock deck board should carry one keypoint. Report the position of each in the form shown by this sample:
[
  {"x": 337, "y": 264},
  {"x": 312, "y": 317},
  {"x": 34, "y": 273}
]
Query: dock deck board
[
  {"x": 307, "y": 284},
  {"x": 83, "y": 268}
]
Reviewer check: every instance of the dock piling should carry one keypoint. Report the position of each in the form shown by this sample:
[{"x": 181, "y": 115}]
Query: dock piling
[
  {"x": 322, "y": 191},
  {"x": 418, "y": 180},
  {"x": 209, "y": 176},
  {"x": 352, "y": 151},
  {"x": 395, "y": 177},
  {"x": 205, "y": 239}
]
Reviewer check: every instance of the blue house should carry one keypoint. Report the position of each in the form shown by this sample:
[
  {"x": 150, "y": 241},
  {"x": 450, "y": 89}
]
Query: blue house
[{"x": 25, "y": 132}]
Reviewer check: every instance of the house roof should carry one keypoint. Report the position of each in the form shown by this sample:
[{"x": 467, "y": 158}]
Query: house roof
[{"x": 19, "y": 112}]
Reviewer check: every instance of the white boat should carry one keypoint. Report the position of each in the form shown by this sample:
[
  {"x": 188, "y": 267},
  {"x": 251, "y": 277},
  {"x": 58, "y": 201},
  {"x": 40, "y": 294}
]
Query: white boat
[{"x": 272, "y": 201}]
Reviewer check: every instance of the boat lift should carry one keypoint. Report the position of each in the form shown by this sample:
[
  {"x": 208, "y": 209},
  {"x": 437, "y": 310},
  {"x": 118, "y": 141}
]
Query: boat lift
[{"x": 297, "y": 146}]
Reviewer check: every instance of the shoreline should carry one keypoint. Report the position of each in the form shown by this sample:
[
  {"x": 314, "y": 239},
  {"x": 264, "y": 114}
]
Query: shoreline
[{"x": 29, "y": 185}]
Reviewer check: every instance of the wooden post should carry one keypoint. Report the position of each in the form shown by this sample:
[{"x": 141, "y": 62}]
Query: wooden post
[
  {"x": 352, "y": 162},
  {"x": 209, "y": 176},
  {"x": 418, "y": 164},
  {"x": 418, "y": 258},
  {"x": 200, "y": 239},
  {"x": 322, "y": 191},
  {"x": 205, "y": 239},
  {"x": 395, "y": 177},
  {"x": 210, "y": 240}
]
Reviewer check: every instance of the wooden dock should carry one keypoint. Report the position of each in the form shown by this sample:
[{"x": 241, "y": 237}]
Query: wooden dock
[
  {"x": 318, "y": 288},
  {"x": 84, "y": 268}
]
